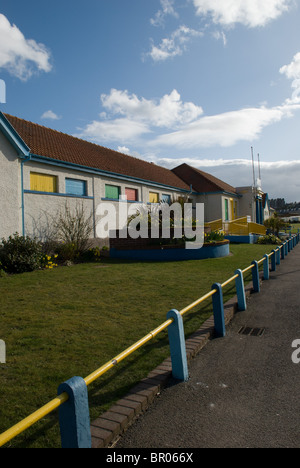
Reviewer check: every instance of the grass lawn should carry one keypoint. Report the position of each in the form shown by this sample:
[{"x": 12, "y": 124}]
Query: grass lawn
[{"x": 71, "y": 320}]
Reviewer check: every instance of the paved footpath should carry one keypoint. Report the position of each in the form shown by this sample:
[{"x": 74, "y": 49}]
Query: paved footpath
[{"x": 243, "y": 390}]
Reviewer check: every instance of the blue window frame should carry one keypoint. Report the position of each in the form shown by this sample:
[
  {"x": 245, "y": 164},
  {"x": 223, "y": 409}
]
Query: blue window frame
[
  {"x": 76, "y": 187},
  {"x": 166, "y": 198}
]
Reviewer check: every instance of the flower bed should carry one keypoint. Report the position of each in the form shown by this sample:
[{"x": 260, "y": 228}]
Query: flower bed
[{"x": 172, "y": 252}]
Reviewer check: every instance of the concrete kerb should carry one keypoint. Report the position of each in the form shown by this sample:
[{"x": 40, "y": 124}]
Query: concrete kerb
[{"x": 106, "y": 430}]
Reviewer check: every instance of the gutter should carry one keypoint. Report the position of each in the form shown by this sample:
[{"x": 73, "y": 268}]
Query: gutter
[{"x": 23, "y": 161}]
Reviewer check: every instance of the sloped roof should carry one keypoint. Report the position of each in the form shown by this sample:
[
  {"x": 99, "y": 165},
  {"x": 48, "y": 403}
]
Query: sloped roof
[
  {"x": 49, "y": 143},
  {"x": 202, "y": 181}
]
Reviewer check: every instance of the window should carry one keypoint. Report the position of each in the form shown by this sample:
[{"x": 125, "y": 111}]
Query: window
[
  {"x": 76, "y": 187},
  {"x": 131, "y": 194},
  {"x": 166, "y": 198},
  {"x": 153, "y": 197},
  {"x": 43, "y": 183},
  {"x": 112, "y": 191}
]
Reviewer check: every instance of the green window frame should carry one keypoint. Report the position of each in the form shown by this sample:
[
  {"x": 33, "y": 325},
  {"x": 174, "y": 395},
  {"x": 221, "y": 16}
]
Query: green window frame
[
  {"x": 226, "y": 210},
  {"x": 112, "y": 191}
]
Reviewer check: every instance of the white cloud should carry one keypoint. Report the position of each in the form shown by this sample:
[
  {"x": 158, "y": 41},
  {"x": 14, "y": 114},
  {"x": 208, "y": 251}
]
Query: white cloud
[
  {"x": 173, "y": 45},
  {"x": 183, "y": 125},
  {"x": 251, "y": 13},
  {"x": 132, "y": 117},
  {"x": 21, "y": 57},
  {"x": 292, "y": 72},
  {"x": 123, "y": 149},
  {"x": 119, "y": 130},
  {"x": 280, "y": 179},
  {"x": 167, "y": 9},
  {"x": 169, "y": 111},
  {"x": 220, "y": 35},
  {"x": 224, "y": 130},
  {"x": 50, "y": 115}
]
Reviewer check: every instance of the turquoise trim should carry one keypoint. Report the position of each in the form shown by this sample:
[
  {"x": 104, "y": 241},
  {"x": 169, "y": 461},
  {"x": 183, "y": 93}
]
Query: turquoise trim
[
  {"x": 14, "y": 138},
  {"x": 112, "y": 175},
  {"x": 35, "y": 192},
  {"x": 237, "y": 195},
  {"x": 120, "y": 200}
]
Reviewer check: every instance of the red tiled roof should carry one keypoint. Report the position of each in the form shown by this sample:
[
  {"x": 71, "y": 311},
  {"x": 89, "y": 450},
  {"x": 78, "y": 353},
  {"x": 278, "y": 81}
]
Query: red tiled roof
[
  {"x": 44, "y": 141},
  {"x": 201, "y": 181}
]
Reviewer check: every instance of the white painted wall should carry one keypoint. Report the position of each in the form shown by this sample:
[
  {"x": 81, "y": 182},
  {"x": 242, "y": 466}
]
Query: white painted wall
[{"x": 10, "y": 190}]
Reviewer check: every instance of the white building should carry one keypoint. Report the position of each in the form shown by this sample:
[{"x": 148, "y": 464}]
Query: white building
[{"x": 41, "y": 169}]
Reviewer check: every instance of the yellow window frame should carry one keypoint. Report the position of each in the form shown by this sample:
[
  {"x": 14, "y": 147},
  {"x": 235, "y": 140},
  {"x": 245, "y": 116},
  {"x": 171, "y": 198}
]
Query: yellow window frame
[{"x": 43, "y": 182}]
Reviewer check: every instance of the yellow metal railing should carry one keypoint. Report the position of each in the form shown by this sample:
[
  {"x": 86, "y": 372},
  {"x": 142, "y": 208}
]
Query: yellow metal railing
[
  {"x": 255, "y": 228},
  {"x": 214, "y": 225},
  {"x": 238, "y": 227},
  {"x": 60, "y": 399}
]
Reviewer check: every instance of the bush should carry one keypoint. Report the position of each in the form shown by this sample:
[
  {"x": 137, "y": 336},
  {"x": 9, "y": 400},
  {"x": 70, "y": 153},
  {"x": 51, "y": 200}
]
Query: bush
[
  {"x": 269, "y": 239},
  {"x": 72, "y": 231},
  {"x": 19, "y": 254},
  {"x": 214, "y": 236}
]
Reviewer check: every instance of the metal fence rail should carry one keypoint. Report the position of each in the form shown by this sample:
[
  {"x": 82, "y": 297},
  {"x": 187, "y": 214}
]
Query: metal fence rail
[{"x": 72, "y": 399}]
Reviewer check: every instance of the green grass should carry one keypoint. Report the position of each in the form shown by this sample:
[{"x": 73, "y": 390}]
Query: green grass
[{"x": 71, "y": 320}]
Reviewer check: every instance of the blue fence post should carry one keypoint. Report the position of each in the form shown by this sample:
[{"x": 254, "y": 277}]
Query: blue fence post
[
  {"x": 273, "y": 261},
  {"x": 218, "y": 306},
  {"x": 278, "y": 256},
  {"x": 255, "y": 276},
  {"x": 177, "y": 346},
  {"x": 266, "y": 267},
  {"x": 240, "y": 290},
  {"x": 286, "y": 248},
  {"x": 74, "y": 415},
  {"x": 282, "y": 252}
]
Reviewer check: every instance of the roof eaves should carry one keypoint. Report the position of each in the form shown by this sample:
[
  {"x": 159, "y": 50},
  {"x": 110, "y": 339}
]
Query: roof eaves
[
  {"x": 13, "y": 136},
  {"x": 92, "y": 170}
]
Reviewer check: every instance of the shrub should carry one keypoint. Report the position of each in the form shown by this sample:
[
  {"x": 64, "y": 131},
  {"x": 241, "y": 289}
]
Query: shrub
[
  {"x": 91, "y": 255},
  {"x": 269, "y": 239},
  {"x": 274, "y": 224},
  {"x": 214, "y": 236},
  {"x": 73, "y": 230},
  {"x": 19, "y": 254}
]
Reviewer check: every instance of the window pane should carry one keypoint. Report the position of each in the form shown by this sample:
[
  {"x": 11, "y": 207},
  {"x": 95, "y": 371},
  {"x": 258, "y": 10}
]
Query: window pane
[
  {"x": 76, "y": 187},
  {"x": 112, "y": 191},
  {"x": 153, "y": 197},
  {"x": 131, "y": 194},
  {"x": 43, "y": 182},
  {"x": 166, "y": 198}
]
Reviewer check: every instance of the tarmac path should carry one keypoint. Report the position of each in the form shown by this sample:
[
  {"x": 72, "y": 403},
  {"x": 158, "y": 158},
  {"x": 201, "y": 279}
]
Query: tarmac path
[{"x": 243, "y": 390}]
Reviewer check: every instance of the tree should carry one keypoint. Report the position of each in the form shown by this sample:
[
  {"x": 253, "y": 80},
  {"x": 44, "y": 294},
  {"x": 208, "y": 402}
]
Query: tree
[{"x": 274, "y": 224}]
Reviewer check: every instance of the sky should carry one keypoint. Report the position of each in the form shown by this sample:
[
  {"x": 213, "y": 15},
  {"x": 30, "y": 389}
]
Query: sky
[{"x": 205, "y": 82}]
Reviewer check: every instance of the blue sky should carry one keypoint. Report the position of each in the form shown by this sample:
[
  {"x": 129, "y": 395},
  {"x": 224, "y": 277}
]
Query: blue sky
[{"x": 168, "y": 81}]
